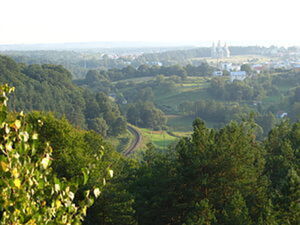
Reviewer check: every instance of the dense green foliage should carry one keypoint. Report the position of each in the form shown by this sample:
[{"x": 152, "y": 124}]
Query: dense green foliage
[
  {"x": 77, "y": 149},
  {"x": 220, "y": 176},
  {"x": 221, "y": 113},
  {"x": 229, "y": 175},
  {"x": 211, "y": 110},
  {"x": 235, "y": 91},
  {"x": 145, "y": 114},
  {"x": 31, "y": 193},
  {"x": 81, "y": 62},
  {"x": 146, "y": 91},
  {"x": 199, "y": 181},
  {"x": 147, "y": 71},
  {"x": 50, "y": 88},
  {"x": 76, "y": 62}
]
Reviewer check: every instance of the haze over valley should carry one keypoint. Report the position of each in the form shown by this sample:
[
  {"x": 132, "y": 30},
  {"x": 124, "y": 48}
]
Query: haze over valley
[{"x": 149, "y": 112}]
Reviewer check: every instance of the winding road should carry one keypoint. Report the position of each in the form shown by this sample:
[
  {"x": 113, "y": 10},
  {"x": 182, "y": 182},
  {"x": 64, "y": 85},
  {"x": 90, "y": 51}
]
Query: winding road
[{"x": 135, "y": 142}]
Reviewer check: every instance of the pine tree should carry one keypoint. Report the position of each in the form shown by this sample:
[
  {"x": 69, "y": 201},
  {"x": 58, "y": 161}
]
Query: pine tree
[{"x": 235, "y": 211}]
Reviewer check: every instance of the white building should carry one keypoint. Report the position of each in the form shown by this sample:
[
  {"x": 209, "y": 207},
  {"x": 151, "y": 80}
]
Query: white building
[
  {"x": 239, "y": 75},
  {"x": 226, "y": 66},
  {"x": 217, "y": 73},
  {"x": 281, "y": 114}
]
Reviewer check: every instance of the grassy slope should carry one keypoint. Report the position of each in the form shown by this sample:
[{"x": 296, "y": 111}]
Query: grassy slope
[
  {"x": 160, "y": 139},
  {"x": 135, "y": 80},
  {"x": 192, "y": 89},
  {"x": 180, "y": 123}
]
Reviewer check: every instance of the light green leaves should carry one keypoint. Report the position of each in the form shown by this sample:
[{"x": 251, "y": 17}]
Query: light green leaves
[
  {"x": 97, "y": 192},
  {"x": 111, "y": 173},
  {"x": 85, "y": 175},
  {"x": 17, "y": 124},
  {"x": 4, "y": 166},
  {"x": 17, "y": 182},
  {"x": 45, "y": 161}
]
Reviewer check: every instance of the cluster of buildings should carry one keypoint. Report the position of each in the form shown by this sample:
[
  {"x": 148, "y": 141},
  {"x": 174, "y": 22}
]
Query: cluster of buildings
[
  {"x": 234, "y": 71},
  {"x": 220, "y": 51},
  {"x": 286, "y": 62},
  {"x": 234, "y": 75},
  {"x": 280, "y": 64}
]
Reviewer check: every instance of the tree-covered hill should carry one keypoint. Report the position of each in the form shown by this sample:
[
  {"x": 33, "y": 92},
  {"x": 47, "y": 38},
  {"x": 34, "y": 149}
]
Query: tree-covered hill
[
  {"x": 50, "y": 171},
  {"x": 215, "y": 176},
  {"x": 50, "y": 88}
]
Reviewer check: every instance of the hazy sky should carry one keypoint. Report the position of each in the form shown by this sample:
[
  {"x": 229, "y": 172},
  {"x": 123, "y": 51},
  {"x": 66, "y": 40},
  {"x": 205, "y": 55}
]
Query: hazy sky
[{"x": 50, "y": 21}]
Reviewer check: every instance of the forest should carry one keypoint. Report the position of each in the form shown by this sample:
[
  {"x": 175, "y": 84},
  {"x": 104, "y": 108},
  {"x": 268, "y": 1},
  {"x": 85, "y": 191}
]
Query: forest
[
  {"x": 57, "y": 165},
  {"x": 50, "y": 88}
]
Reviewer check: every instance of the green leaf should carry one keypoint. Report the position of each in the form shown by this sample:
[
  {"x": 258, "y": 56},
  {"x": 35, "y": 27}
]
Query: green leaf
[
  {"x": 85, "y": 175},
  {"x": 97, "y": 192},
  {"x": 3, "y": 115}
]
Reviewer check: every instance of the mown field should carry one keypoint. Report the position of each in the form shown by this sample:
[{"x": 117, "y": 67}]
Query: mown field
[
  {"x": 135, "y": 80},
  {"x": 183, "y": 125},
  {"x": 160, "y": 139},
  {"x": 180, "y": 123},
  {"x": 192, "y": 89}
]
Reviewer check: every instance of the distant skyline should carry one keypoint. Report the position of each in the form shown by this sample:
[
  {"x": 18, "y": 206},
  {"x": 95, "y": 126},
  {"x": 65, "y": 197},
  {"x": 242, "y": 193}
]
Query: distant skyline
[
  {"x": 138, "y": 46},
  {"x": 157, "y": 21}
]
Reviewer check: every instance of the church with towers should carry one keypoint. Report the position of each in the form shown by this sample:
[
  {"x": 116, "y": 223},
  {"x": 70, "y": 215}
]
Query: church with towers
[{"x": 220, "y": 51}]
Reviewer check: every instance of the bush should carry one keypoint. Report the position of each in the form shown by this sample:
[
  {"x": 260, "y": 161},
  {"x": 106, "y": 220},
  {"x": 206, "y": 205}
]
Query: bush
[{"x": 30, "y": 192}]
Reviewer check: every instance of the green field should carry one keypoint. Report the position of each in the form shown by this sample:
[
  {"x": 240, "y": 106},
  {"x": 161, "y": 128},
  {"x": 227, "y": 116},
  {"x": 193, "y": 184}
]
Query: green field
[
  {"x": 135, "y": 80},
  {"x": 182, "y": 134},
  {"x": 192, "y": 89},
  {"x": 180, "y": 123},
  {"x": 160, "y": 139},
  {"x": 179, "y": 97},
  {"x": 271, "y": 99},
  {"x": 183, "y": 125}
]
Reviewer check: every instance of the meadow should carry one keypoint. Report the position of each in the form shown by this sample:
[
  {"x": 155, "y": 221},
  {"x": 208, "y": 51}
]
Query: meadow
[
  {"x": 191, "y": 89},
  {"x": 160, "y": 139}
]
